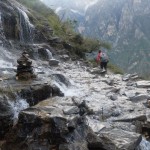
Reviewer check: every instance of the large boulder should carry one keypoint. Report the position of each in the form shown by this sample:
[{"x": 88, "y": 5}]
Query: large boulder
[
  {"x": 53, "y": 62},
  {"x": 127, "y": 77},
  {"x": 132, "y": 117},
  {"x": 9, "y": 21},
  {"x": 37, "y": 93},
  {"x": 47, "y": 124},
  {"x": 117, "y": 139},
  {"x": 143, "y": 84},
  {"x": 140, "y": 97}
]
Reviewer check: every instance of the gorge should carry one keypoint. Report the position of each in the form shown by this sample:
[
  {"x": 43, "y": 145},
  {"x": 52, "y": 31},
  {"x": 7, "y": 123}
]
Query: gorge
[
  {"x": 124, "y": 23},
  {"x": 70, "y": 105}
]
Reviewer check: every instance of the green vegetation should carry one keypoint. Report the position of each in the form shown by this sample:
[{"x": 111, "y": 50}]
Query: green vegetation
[
  {"x": 43, "y": 17},
  {"x": 115, "y": 69},
  {"x": 76, "y": 44}
]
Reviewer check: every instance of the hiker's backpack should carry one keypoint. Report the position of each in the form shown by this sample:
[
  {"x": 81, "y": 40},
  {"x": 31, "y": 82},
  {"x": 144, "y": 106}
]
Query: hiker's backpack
[{"x": 104, "y": 57}]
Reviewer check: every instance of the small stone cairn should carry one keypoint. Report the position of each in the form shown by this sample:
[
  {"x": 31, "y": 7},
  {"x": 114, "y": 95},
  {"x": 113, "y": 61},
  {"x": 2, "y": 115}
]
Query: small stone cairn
[{"x": 24, "y": 68}]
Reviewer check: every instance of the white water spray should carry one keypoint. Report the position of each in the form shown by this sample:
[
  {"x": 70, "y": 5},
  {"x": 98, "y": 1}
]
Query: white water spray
[
  {"x": 49, "y": 54},
  {"x": 17, "y": 106},
  {"x": 6, "y": 59},
  {"x": 144, "y": 145},
  {"x": 1, "y": 30},
  {"x": 26, "y": 28},
  {"x": 1, "y": 21}
]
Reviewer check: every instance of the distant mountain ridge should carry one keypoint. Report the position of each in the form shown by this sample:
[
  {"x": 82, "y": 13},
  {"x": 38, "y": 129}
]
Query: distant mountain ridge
[{"x": 124, "y": 23}]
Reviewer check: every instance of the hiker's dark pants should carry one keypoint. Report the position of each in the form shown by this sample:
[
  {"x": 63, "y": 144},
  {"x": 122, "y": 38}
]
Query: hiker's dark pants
[{"x": 103, "y": 65}]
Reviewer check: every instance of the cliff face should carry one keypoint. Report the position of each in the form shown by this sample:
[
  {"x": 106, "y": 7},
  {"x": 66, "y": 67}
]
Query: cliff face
[
  {"x": 8, "y": 22},
  {"x": 15, "y": 24},
  {"x": 125, "y": 24}
]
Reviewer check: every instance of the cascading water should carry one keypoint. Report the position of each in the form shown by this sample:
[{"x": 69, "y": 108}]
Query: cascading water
[
  {"x": 49, "y": 54},
  {"x": 0, "y": 21},
  {"x": 17, "y": 106},
  {"x": 6, "y": 60},
  {"x": 26, "y": 28},
  {"x": 1, "y": 30},
  {"x": 144, "y": 145}
]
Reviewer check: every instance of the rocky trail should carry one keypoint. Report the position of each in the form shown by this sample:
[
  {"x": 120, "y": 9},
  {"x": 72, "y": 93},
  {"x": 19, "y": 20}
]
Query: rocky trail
[{"x": 94, "y": 112}]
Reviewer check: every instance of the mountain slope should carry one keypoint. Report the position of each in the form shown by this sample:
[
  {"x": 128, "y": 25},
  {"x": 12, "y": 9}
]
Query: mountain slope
[{"x": 124, "y": 23}]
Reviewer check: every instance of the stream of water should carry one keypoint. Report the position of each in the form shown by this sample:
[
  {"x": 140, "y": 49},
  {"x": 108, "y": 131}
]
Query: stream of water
[
  {"x": 26, "y": 28},
  {"x": 17, "y": 106},
  {"x": 144, "y": 145}
]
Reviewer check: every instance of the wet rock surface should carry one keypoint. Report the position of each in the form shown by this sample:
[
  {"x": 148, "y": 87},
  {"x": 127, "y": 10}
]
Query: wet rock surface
[
  {"x": 20, "y": 95},
  {"x": 37, "y": 93},
  {"x": 48, "y": 124},
  {"x": 78, "y": 119},
  {"x": 6, "y": 117},
  {"x": 120, "y": 139},
  {"x": 69, "y": 106},
  {"x": 93, "y": 113}
]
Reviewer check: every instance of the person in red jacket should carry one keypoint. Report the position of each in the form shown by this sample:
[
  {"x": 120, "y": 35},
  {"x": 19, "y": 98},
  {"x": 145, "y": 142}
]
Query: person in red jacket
[
  {"x": 102, "y": 59},
  {"x": 98, "y": 56}
]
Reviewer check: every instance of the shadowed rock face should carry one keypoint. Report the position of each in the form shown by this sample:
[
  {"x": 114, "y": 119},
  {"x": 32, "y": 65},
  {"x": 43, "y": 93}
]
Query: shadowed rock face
[
  {"x": 30, "y": 93},
  {"x": 17, "y": 26},
  {"x": 6, "y": 116},
  {"x": 50, "y": 130},
  {"x": 37, "y": 93},
  {"x": 9, "y": 21},
  {"x": 112, "y": 139}
]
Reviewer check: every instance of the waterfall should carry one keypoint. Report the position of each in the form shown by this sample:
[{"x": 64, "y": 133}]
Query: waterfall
[
  {"x": 1, "y": 21},
  {"x": 144, "y": 145},
  {"x": 1, "y": 28},
  {"x": 49, "y": 54},
  {"x": 26, "y": 28},
  {"x": 6, "y": 59},
  {"x": 17, "y": 106},
  {"x": 1, "y": 31}
]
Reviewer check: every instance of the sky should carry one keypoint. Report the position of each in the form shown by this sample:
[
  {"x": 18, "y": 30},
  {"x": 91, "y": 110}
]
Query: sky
[{"x": 79, "y": 5}]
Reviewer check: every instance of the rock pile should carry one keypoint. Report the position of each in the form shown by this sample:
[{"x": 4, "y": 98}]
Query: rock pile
[{"x": 24, "y": 68}]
